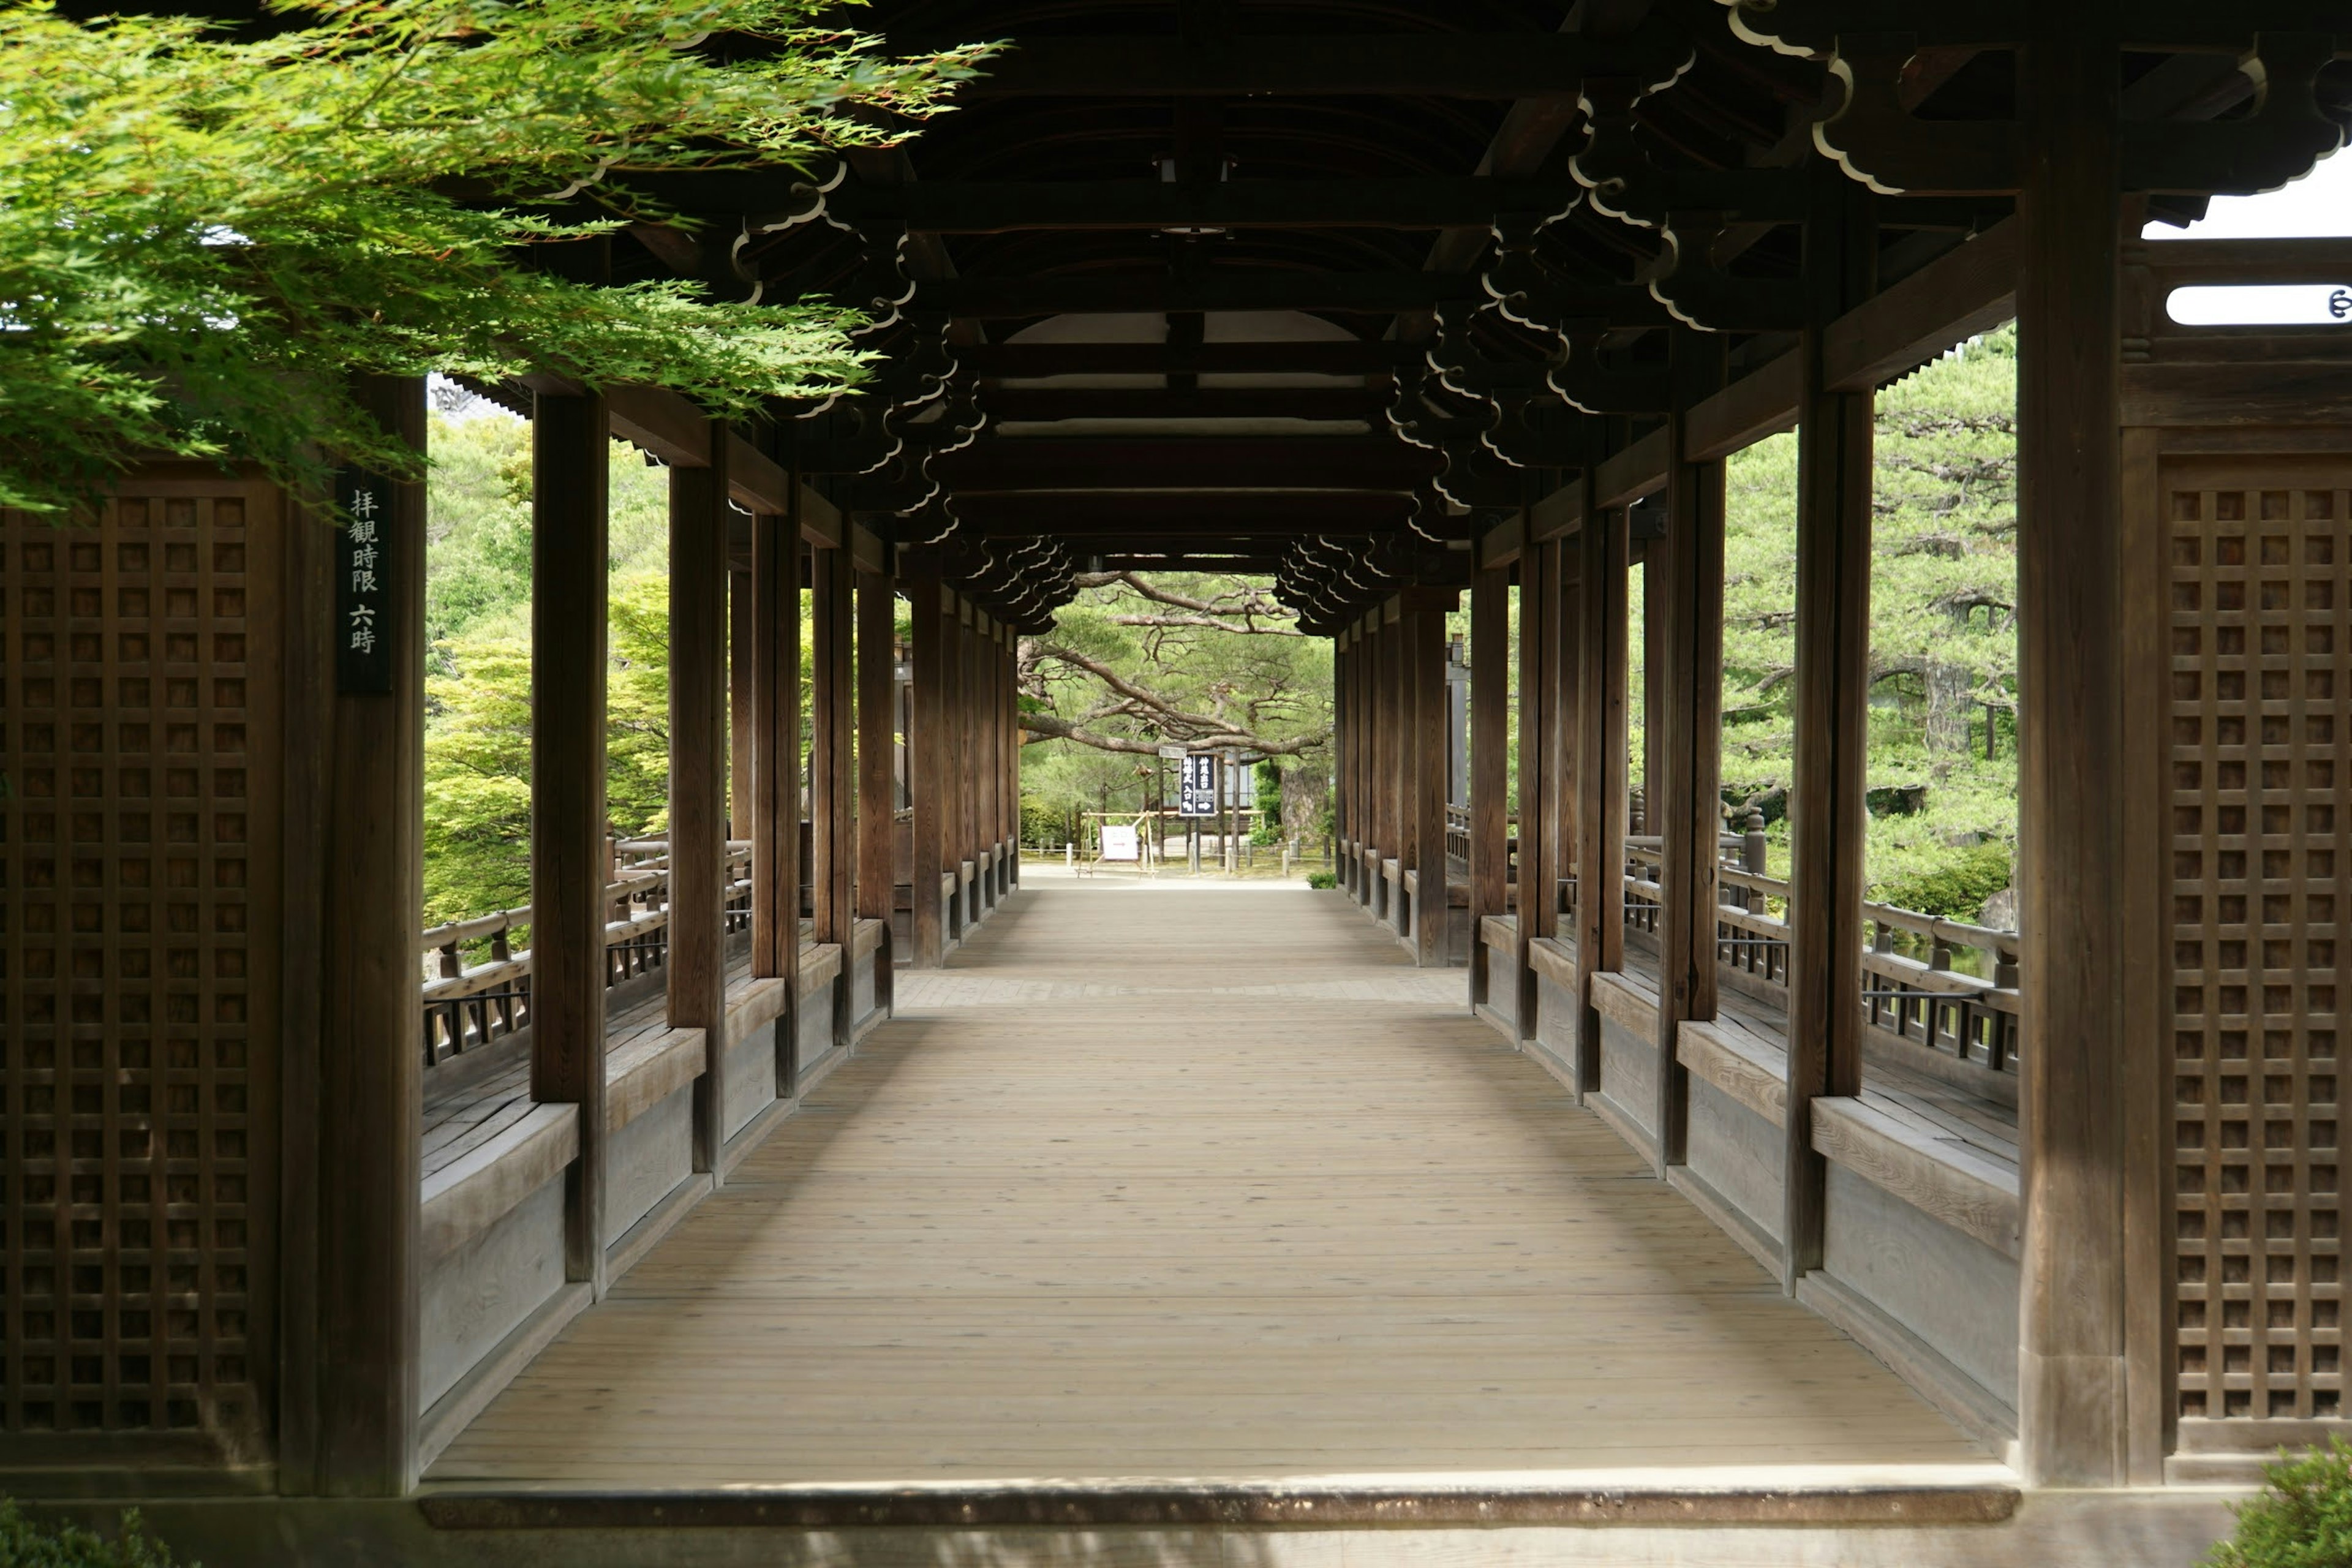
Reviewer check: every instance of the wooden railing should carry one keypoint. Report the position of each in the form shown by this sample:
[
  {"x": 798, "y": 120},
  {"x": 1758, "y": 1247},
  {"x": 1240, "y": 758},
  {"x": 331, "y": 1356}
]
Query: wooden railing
[
  {"x": 468, "y": 1006},
  {"x": 1971, "y": 1018}
]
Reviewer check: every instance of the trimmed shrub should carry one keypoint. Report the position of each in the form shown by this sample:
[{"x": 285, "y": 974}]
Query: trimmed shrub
[
  {"x": 24, "y": 1544},
  {"x": 2301, "y": 1519},
  {"x": 1956, "y": 888},
  {"x": 1322, "y": 878}
]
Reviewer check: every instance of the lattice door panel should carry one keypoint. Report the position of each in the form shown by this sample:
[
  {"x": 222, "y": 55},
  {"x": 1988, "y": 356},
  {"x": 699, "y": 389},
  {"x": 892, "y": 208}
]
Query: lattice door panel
[
  {"x": 137, "y": 736},
  {"x": 2260, "y": 622}
]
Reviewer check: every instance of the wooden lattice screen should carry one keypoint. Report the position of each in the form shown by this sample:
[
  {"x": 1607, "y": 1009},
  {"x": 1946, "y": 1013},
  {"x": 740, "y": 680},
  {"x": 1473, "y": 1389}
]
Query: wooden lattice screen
[
  {"x": 138, "y": 724},
  {"x": 2261, "y": 670}
]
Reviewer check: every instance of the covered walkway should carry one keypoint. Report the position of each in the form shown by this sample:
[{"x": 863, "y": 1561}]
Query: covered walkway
[{"x": 1200, "y": 1186}]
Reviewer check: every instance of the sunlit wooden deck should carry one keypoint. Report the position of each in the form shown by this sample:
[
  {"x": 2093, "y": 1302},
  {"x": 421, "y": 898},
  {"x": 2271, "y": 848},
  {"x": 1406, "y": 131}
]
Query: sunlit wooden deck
[{"x": 1161, "y": 1183}]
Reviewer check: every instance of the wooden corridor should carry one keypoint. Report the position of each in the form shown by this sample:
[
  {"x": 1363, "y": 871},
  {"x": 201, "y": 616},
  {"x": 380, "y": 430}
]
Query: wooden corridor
[{"x": 1198, "y": 1184}]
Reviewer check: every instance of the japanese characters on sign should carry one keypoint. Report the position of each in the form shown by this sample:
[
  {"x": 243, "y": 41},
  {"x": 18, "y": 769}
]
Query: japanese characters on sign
[
  {"x": 1196, "y": 785},
  {"x": 364, "y": 639}
]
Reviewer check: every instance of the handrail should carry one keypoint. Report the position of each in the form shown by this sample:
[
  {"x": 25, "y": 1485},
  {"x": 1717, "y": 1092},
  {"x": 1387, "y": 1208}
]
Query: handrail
[
  {"x": 466, "y": 1007},
  {"x": 1971, "y": 1018}
]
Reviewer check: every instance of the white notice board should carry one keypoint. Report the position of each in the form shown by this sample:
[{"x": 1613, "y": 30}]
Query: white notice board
[{"x": 1118, "y": 843}]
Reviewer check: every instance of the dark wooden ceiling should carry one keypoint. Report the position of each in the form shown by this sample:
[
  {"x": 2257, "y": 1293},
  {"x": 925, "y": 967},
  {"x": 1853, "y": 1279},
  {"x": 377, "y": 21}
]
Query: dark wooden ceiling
[{"x": 1209, "y": 279}]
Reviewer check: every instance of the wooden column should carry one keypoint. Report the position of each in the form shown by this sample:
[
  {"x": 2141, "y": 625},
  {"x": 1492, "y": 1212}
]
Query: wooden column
[
  {"x": 1538, "y": 605},
  {"x": 1348, "y": 801},
  {"x": 877, "y": 661},
  {"x": 740, "y": 727},
  {"x": 926, "y": 761},
  {"x": 1424, "y": 627},
  {"x": 568, "y": 825},
  {"x": 1599, "y": 787},
  {"x": 351, "y": 1407},
  {"x": 833, "y": 788},
  {"x": 1490, "y": 722},
  {"x": 988, "y": 798},
  {"x": 1657, "y": 658},
  {"x": 1826, "y": 806},
  {"x": 1395, "y": 637},
  {"x": 776, "y": 775},
  {"x": 1684, "y": 687},
  {"x": 2073, "y": 781},
  {"x": 699, "y": 762}
]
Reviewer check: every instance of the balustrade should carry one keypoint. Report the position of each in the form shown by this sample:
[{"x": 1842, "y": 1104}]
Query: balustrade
[
  {"x": 467, "y": 1006},
  {"x": 1936, "y": 1003}
]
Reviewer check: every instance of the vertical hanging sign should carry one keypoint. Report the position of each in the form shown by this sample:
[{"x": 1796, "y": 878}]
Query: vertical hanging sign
[
  {"x": 363, "y": 602},
  {"x": 1196, "y": 785}
]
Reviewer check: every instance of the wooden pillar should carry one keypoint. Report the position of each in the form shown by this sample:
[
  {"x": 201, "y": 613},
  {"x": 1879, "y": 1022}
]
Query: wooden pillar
[
  {"x": 776, "y": 775},
  {"x": 876, "y": 692},
  {"x": 2072, "y": 778},
  {"x": 699, "y": 617},
  {"x": 1348, "y": 801},
  {"x": 988, "y": 796},
  {"x": 1826, "y": 807},
  {"x": 354, "y": 1434},
  {"x": 1490, "y": 722},
  {"x": 1538, "y": 605},
  {"x": 833, "y": 781},
  {"x": 1685, "y": 690},
  {"x": 1425, "y": 628},
  {"x": 740, "y": 727},
  {"x": 926, "y": 761},
  {"x": 568, "y": 825},
  {"x": 1599, "y": 787},
  {"x": 1398, "y": 785},
  {"x": 1657, "y": 658}
]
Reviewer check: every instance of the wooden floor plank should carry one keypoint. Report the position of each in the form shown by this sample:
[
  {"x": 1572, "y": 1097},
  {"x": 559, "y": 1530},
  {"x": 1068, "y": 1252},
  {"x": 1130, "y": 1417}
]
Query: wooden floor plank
[{"x": 1153, "y": 1181}]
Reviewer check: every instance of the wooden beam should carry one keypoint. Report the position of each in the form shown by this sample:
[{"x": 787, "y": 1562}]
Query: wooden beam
[
  {"x": 1009, "y": 206},
  {"x": 1328, "y": 293},
  {"x": 1489, "y": 66},
  {"x": 657, "y": 420},
  {"x": 876, "y": 744},
  {"x": 359, "y": 1424},
  {"x": 1761, "y": 404},
  {"x": 1966, "y": 291},
  {"x": 1637, "y": 471},
  {"x": 697, "y": 965},
  {"x": 2074, "y": 776},
  {"x": 1599, "y": 790},
  {"x": 1123, "y": 516},
  {"x": 1827, "y": 808},
  {"x": 1021, "y": 404},
  {"x": 1320, "y": 357},
  {"x": 1490, "y": 690},
  {"x": 1031, "y": 465},
  {"x": 568, "y": 823}
]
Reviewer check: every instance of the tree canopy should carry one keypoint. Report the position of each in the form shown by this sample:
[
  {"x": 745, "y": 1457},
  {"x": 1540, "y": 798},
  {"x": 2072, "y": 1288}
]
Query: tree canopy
[
  {"x": 1206, "y": 661},
  {"x": 204, "y": 232}
]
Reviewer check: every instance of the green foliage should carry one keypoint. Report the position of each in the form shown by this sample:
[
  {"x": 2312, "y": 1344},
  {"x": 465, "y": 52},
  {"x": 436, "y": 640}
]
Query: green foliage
[
  {"x": 1267, "y": 827},
  {"x": 1135, "y": 670},
  {"x": 1322, "y": 880},
  {"x": 1942, "y": 626},
  {"x": 24, "y": 1544},
  {"x": 204, "y": 233},
  {"x": 2301, "y": 1519},
  {"x": 478, "y": 758},
  {"x": 1954, "y": 885}
]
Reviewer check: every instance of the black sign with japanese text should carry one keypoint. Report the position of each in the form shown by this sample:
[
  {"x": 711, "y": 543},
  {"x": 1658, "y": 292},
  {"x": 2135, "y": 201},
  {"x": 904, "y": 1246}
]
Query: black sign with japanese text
[
  {"x": 1196, "y": 785},
  {"x": 363, "y": 602}
]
